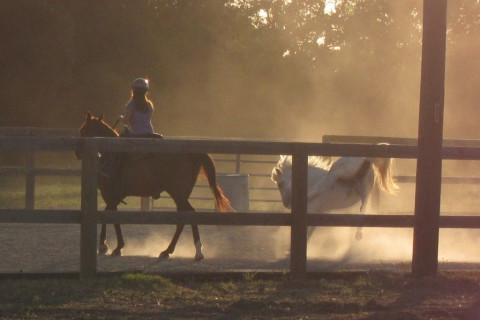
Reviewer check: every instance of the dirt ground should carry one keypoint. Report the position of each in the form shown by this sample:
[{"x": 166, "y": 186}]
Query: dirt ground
[
  {"x": 234, "y": 281},
  {"x": 51, "y": 248}
]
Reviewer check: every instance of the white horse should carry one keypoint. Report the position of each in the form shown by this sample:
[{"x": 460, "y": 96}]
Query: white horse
[{"x": 342, "y": 184}]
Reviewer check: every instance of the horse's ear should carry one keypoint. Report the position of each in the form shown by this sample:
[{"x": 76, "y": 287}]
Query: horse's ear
[{"x": 88, "y": 116}]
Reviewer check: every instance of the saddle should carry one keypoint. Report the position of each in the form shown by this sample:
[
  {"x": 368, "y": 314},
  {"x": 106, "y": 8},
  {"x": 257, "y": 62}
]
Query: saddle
[{"x": 113, "y": 167}]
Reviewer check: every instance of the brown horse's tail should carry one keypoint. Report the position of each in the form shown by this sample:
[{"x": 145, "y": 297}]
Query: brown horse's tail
[{"x": 222, "y": 203}]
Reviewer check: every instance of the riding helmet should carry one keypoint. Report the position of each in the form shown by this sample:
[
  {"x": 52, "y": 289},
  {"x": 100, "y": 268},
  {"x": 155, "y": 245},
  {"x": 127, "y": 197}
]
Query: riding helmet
[{"x": 140, "y": 83}]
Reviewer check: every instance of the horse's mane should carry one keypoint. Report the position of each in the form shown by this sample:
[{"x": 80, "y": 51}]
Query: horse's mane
[
  {"x": 109, "y": 127},
  {"x": 313, "y": 161}
]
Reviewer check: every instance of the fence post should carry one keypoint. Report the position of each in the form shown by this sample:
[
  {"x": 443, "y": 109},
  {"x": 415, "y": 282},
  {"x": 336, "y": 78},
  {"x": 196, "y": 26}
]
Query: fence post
[
  {"x": 430, "y": 140},
  {"x": 88, "y": 227},
  {"x": 30, "y": 177},
  {"x": 298, "y": 250},
  {"x": 237, "y": 163},
  {"x": 145, "y": 204}
]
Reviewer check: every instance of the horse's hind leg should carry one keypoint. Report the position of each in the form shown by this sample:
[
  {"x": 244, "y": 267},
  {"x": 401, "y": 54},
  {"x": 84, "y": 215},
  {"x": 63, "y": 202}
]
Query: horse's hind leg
[
  {"x": 198, "y": 244},
  {"x": 184, "y": 206},
  {"x": 171, "y": 247},
  {"x": 102, "y": 244},
  {"x": 364, "y": 187}
]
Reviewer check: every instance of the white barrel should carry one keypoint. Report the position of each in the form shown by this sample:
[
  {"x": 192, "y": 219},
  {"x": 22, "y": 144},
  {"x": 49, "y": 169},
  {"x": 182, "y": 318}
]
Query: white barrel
[{"x": 235, "y": 187}]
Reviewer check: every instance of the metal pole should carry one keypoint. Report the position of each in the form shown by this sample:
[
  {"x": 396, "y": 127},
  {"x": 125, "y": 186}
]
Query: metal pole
[{"x": 430, "y": 139}]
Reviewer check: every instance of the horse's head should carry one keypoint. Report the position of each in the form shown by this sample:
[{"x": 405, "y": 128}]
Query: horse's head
[
  {"x": 94, "y": 127},
  {"x": 282, "y": 176}
]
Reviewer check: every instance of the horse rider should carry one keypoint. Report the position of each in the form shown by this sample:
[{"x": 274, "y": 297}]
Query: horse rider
[
  {"x": 138, "y": 111},
  {"x": 137, "y": 117}
]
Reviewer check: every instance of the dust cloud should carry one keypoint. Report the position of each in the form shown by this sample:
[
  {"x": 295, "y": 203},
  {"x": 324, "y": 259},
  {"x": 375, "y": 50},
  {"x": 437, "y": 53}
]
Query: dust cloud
[
  {"x": 336, "y": 244},
  {"x": 387, "y": 105},
  {"x": 379, "y": 245}
]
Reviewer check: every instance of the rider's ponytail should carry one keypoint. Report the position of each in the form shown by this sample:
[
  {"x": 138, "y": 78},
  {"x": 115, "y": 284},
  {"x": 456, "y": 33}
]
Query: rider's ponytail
[{"x": 140, "y": 101}]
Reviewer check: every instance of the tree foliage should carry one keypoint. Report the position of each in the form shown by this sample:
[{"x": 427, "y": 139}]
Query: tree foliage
[{"x": 217, "y": 64}]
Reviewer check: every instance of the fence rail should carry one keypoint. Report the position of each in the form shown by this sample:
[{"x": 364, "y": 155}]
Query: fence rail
[
  {"x": 88, "y": 216},
  {"x": 461, "y": 221}
]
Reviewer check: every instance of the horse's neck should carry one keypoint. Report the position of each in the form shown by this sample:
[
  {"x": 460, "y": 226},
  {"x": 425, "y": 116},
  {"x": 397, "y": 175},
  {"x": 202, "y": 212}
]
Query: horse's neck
[
  {"x": 316, "y": 178},
  {"x": 316, "y": 174}
]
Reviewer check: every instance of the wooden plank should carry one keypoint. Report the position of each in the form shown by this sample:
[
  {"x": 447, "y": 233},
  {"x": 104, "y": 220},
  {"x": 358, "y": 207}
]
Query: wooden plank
[
  {"x": 34, "y": 131},
  {"x": 74, "y": 132},
  {"x": 232, "y": 147},
  {"x": 30, "y": 180},
  {"x": 445, "y": 180},
  {"x": 298, "y": 250},
  {"x": 460, "y": 222},
  {"x": 396, "y": 140},
  {"x": 253, "y": 147},
  {"x": 368, "y": 140},
  {"x": 41, "y": 171},
  {"x": 461, "y": 153},
  {"x": 39, "y": 216},
  {"x": 64, "y": 216},
  {"x": 88, "y": 227},
  {"x": 200, "y": 218},
  {"x": 15, "y": 131},
  {"x": 77, "y": 172},
  {"x": 430, "y": 140},
  {"x": 357, "y": 220},
  {"x": 47, "y": 144}
]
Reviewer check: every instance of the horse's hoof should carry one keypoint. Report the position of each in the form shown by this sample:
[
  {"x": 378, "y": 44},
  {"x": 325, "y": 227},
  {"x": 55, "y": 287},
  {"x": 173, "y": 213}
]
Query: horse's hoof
[
  {"x": 164, "y": 255},
  {"x": 199, "y": 254},
  {"x": 102, "y": 249},
  {"x": 117, "y": 253}
]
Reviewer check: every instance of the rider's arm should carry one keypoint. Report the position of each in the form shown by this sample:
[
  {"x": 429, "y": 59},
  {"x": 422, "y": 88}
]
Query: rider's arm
[{"x": 127, "y": 116}]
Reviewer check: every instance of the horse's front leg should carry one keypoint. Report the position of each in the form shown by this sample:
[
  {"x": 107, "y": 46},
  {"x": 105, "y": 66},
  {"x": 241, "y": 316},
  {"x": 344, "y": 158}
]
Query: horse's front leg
[
  {"x": 185, "y": 206},
  {"x": 102, "y": 244},
  {"x": 118, "y": 231}
]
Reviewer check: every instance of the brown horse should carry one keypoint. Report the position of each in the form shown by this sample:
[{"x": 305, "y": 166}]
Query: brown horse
[{"x": 147, "y": 175}]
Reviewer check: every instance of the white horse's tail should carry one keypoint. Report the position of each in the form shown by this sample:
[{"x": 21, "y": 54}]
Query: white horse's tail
[{"x": 382, "y": 168}]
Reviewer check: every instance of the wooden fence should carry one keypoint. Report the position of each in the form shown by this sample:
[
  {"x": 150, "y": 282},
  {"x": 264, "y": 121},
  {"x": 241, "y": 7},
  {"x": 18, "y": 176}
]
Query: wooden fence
[
  {"x": 260, "y": 194},
  {"x": 232, "y": 165},
  {"x": 89, "y": 216}
]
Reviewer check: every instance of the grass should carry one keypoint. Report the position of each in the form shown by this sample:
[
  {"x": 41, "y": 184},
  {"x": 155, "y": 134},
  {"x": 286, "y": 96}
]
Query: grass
[
  {"x": 57, "y": 192},
  {"x": 371, "y": 295},
  {"x": 50, "y": 192}
]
